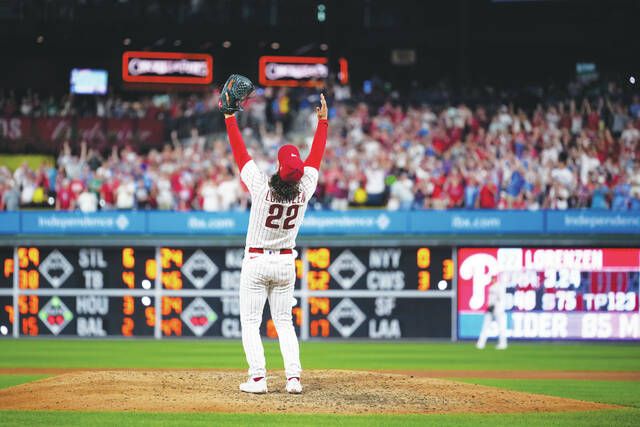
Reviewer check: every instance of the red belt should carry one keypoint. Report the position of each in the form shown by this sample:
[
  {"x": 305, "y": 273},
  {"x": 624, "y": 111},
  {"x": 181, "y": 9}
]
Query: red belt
[{"x": 261, "y": 251}]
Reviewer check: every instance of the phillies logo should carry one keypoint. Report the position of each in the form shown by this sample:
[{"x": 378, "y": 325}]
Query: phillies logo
[{"x": 480, "y": 269}]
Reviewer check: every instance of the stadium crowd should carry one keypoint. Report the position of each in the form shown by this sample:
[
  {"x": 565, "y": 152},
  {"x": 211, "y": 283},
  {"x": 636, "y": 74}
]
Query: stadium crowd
[
  {"x": 576, "y": 153},
  {"x": 32, "y": 104}
]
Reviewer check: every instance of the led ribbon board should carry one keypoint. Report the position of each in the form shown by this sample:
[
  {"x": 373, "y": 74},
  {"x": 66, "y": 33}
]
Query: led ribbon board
[
  {"x": 293, "y": 71},
  {"x": 167, "y": 67}
]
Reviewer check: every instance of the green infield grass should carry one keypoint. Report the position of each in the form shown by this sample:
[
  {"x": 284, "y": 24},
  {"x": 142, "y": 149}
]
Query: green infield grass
[
  {"x": 341, "y": 355},
  {"x": 9, "y": 380},
  {"x": 625, "y": 393}
]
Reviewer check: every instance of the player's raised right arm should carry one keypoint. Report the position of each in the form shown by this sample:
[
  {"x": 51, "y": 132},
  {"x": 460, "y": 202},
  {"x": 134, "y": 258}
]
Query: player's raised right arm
[
  {"x": 238, "y": 148},
  {"x": 320, "y": 138}
]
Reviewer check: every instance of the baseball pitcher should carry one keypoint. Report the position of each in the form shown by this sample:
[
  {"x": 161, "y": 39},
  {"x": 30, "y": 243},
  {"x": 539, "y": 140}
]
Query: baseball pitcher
[
  {"x": 495, "y": 314},
  {"x": 278, "y": 204}
]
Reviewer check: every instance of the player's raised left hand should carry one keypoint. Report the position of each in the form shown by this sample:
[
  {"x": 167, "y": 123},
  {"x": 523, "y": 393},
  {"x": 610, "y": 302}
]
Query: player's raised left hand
[{"x": 322, "y": 111}]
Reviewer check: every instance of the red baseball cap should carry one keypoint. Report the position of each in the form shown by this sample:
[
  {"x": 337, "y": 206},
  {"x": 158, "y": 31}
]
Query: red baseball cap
[{"x": 291, "y": 167}]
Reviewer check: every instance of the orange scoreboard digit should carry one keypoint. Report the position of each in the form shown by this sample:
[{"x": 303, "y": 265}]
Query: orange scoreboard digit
[
  {"x": 84, "y": 291},
  {"x": 366, "y": 291},
  {"x": 6, "y": 299}
]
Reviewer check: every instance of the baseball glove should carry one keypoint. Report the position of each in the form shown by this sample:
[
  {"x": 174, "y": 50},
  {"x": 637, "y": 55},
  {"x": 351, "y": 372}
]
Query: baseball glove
[{"x": 235, "y": 90}]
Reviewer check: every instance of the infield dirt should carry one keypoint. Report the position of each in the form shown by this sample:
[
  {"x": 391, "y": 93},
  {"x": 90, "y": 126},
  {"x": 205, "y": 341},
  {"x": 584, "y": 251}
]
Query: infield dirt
[{"x": 326, "y": 391}]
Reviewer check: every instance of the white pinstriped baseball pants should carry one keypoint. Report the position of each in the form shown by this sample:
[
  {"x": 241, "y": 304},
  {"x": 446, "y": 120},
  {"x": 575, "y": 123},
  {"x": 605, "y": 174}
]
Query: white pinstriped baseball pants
[{"x": 269, "y": 277}]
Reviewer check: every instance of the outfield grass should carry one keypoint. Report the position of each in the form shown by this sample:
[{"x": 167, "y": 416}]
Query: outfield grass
[
  {"x": 341, "y": 355},
  {"x": 13, "y": 161},
  {"x": 625, "y": 393},
  {"x": 316, "y": 355},
  {"x": 625, "y": 417}
]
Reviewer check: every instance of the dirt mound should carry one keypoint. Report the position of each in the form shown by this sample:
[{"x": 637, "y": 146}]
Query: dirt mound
[{"x": 326, "y": 391}]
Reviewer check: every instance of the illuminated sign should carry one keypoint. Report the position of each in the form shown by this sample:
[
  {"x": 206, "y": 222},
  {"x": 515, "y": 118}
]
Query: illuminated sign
[
  {"x": 181, "y": 291},
  {"x": 167, "y": 67},
  {"x": 553, "y": 293},
  {"x": 293, "y": 71},
  {"x": 348, "y": 273},
  {"x": 343, "y": 75},
  {"x": 72, "y": 272}
]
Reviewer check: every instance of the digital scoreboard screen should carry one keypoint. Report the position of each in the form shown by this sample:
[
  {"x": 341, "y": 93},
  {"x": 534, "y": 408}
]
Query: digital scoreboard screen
[
  {"x": 86, "y": 316},
  {"x": 208, "y": 269},
  {"x": 75, "y": 280},
  {"x": 379, "y": 317},
  {"x": 373, "y": 284},
  {"x": 553, "y": 293},
  {"x": 380, "y": 269},
  {"x": 86, "y": 268},
  {"x": 185, "y": 291},
  {"x": 6, "y": 285}
]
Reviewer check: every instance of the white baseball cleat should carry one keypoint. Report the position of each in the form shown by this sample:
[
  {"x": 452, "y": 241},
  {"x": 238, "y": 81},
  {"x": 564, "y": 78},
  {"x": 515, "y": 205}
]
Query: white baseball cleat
[
  {"x": 501, "y": 347},
  {"x": 256, "y": 385},
  {"x": 294, "y": 386}
]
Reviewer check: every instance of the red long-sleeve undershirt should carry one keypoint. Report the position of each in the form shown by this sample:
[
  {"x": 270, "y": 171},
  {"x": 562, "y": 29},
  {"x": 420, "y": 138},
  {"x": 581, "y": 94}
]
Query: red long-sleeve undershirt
[
  {"x": 317, "y": 147},
  {"x": 240, "y": 153}
]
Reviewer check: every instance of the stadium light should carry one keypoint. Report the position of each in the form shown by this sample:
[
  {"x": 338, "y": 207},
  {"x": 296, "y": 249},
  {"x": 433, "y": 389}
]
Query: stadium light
[
  {"x": 321, "y": 13},
  {"x": 226, "y": 44},
  {"x": 275, "y": 45}
]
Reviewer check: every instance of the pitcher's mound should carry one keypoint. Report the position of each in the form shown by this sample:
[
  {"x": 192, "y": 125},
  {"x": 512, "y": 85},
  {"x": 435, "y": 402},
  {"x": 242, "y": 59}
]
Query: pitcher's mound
[{"x": 331, "y": 391}]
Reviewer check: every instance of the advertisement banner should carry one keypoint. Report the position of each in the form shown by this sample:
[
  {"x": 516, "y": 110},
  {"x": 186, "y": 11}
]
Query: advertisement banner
[
  {"x": 91, "y": 130},
  {"x": 476, "y": 222},
  {"x": 167, "y": 67},
  {"x": 15, "y": 128},
  {"x": 121, "y": 131},
  {"x": 293, "y": 71},
  {"x": 589, "y": 222},
  {"x": 80, "y": 223},
  {"x": 54, "y": 129},
  {"x": 10, "y": 223},
  {"x": 552, "y": 293},
  {"x": 232, "y": 223},
  {"x": 150, "y": 131},
  {"x": 355, "y": 222}
]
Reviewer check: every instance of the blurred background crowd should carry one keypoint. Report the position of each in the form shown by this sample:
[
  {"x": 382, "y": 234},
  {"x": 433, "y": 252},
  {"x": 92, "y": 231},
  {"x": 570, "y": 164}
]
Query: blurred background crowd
[
  {"x": 563, "y": 151},
  {"x": 464, "y": 104}
]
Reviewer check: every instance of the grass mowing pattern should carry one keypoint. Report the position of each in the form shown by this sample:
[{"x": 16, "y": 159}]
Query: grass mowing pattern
[{"x": 317, "y": 355}]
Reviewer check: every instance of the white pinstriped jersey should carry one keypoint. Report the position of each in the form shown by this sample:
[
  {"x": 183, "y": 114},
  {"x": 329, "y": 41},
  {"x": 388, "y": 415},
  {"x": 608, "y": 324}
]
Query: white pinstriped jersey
[{"x": 275, "y": 225}]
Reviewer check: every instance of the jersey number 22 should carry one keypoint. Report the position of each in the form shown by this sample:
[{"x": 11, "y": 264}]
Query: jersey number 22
[{"x": 275, "y": 214}]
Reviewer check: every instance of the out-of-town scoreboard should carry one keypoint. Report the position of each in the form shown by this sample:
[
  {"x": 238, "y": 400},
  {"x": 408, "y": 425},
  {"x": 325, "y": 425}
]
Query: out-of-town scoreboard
[{"x": 341, "y": 292}]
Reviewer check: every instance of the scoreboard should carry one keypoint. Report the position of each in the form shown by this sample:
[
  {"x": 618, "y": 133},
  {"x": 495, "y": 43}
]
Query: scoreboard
[
  {"x": 341, "y": 292},
  {"x": 83, "y": 291},
  {"x": 181, "y": 291},
  {"x": 553, "y": 293},
  {"x": 379, "y": 292}
]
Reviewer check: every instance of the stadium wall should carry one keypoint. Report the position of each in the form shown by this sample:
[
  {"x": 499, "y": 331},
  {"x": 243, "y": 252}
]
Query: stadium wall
[
  {"x": 319, "y": 223},
  {"x": 570, "y": 275}
]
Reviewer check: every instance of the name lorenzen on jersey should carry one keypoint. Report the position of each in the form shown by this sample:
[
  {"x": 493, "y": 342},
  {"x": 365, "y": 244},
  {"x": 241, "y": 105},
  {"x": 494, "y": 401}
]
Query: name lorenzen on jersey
[{"x": 301, "y": 199}]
